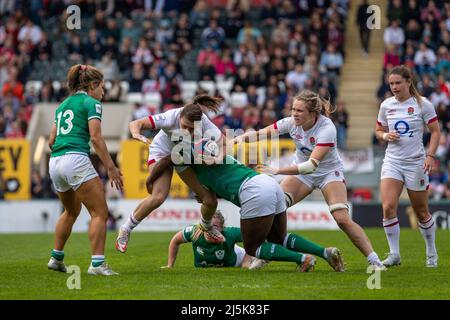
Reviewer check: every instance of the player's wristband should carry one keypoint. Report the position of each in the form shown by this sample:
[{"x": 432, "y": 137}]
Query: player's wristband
[
  {"x": 385, "y": 136},
  {"x": 430, "y": 155}
]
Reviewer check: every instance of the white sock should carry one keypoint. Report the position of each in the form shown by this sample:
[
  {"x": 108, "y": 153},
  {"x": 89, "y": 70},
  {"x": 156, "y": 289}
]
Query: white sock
[
  {"x": 373, "y": 258},
  {"x": 392, "y": 230},
  {"x": 131, "y": 223},
  {"x": 428, "y": 231}
]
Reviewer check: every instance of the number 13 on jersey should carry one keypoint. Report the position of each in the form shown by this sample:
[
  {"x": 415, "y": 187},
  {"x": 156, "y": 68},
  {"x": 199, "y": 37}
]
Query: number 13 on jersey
[{"x": 67, "y": 117}]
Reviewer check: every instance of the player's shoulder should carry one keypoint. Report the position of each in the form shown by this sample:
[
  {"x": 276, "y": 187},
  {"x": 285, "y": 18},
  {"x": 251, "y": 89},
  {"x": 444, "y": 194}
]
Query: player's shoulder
[
  {"x": 387, "y": 102},
  {"x": 426, "y": 102},
  {"x": 90, "y": 102},
  {"x": 231, "y": 232},
  {"x": 325, "y": 122},
  {"x": 288, "y": 121}
]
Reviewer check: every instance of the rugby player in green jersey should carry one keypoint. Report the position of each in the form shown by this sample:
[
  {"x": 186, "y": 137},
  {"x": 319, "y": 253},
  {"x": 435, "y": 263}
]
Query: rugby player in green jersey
[
  {"x": 206, "y": 254},
  {"x": 78, "y": 121},
  {"x": 263, "y": 213}
]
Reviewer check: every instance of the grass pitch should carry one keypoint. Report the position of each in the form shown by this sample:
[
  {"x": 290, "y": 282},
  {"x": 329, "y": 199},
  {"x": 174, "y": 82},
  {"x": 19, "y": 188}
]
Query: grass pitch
[{"x": 24, "y": 274}]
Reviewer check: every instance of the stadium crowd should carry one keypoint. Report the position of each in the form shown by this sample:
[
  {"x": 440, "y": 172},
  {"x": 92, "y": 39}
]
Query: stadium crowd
[
  {"x": 418, "y": 36},
  {"x": 267, "y": 49}
]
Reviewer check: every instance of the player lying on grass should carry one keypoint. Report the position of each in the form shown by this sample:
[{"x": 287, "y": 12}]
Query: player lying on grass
[
  {"x": 226, "y": 254},
  {"x": 263, "y": 213}
]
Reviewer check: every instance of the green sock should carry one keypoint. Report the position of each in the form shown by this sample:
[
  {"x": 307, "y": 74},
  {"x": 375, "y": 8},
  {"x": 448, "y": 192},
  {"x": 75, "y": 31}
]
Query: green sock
[
  {"x": 275, "y": 252},
  {"x": 57, "y": 254},
  {"x": 299, "y": 244}
]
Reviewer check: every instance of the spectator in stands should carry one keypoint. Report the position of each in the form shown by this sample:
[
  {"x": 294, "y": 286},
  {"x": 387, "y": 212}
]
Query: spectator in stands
[
  {"x": 426, "y": 86},
  {"x": 108, "y": 67},
  {"x": 94, "y": 47},
  {"x": 340, "y": 119},
  {"x": 394, "y": 34},
  {"x": 75, "y": 49},
  {"x": 213, "y": 36},
  {"x": 396, "y": 12},
  {"x": 129, "y": 30},
  {"x": 432, "y": 10},
  {"x": 30, "y": 32},
  {"x": 280, "y": 36},
  {"x": 13, "y": 86},
  {"x": 164, "y": 34},
  {"x": 408, "y": 58},
  {"x": 332, "y": 60},
  {"x": 438, "y": 96},
  {"x": 413, "y": 32},
  {"x": 46, "y": 94},
  {"x": 335, "y": 35},
  {"x": 142, "y": 54},
  {"x": 297, "y": 77},
  {"x": 137, "y": 78},
  {"x": 248, "y": 33},
  {"x": 182, "y": 32},
  {"x": 443, "y": 62},
  {"x": 257, "y": 75},
  {"x": 225, "y": 66},
  {"x": 242, "y": 81},
  {"x": 126, "y": 55},
  {"x": 425, "y": 59},
  {"x": 14, "y": 131},
  {"x": 412, "y": 11},
  {"x": 268, "y": 14},
  {"x": 391, "y": 56},
  {"x": 207, "y": 54},
  {"x": 234, "y": 120},
  {"x": 199, "y": 15}
]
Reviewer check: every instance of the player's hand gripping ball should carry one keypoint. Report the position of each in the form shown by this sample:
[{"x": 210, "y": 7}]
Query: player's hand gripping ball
[{"x": 205, "y": 150}]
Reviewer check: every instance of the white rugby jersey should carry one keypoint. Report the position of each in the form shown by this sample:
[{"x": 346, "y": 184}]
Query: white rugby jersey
[
  {"x": 169, "y": 123},
  {"x": 323, "y": 133},
  {"x": 409, "y": 120}
]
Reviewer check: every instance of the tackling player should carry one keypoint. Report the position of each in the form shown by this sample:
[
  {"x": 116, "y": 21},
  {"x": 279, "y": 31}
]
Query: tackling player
[
  {"x": 317, "y": 164},
  {"x": 170, "y": 124}
]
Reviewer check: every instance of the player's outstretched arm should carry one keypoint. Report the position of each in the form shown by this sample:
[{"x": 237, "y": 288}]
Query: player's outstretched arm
[
  {"x": 174, "y": 245},
  {"x": 137, "y": 126},
  {"x": 306, "y": 167},
  {"x": 253, "y": 136}
]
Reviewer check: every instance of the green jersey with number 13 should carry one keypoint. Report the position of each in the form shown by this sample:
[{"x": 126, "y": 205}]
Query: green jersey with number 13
[{"x": 72, "y": 129}]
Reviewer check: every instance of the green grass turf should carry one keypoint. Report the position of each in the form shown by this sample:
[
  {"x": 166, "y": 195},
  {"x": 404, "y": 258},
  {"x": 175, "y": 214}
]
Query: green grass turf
[{"x": 24, "y": 274}]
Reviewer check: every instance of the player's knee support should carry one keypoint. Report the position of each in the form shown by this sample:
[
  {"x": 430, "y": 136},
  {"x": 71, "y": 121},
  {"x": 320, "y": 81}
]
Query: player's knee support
[{"x": 338, "y": 206}]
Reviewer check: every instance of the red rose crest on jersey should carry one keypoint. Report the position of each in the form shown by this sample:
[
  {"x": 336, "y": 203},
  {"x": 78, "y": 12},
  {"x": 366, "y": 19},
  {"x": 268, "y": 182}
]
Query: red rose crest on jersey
[
  {"x": 312, "y": 141},
  {"x": 410, "y": 110}
]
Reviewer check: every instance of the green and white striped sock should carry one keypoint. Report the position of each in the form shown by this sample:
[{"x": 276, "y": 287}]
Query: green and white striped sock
[
  {"x": 57, "y": 254},
  {"x": 97, "y": 260}
]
